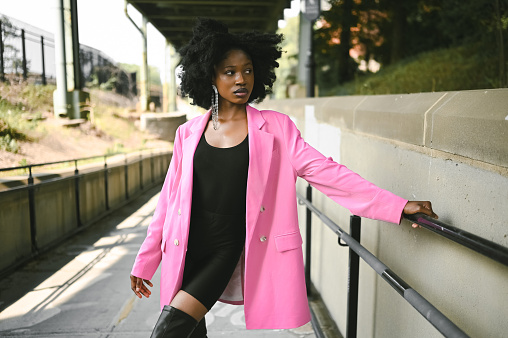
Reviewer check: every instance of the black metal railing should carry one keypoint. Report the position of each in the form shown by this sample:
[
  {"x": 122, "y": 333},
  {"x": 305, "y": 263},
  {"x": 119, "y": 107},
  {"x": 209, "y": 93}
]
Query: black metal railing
[
  {"x": 31, "y": 186},
  {"x": 357, "y": 251}
]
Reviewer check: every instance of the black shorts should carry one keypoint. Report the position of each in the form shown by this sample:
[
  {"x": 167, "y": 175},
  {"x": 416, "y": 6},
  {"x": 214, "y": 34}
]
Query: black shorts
[{"x": 215, "y": 245}]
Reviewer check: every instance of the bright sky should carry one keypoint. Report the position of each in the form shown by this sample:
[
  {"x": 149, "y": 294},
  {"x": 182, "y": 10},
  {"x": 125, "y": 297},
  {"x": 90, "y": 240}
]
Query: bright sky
[{"x": 102, "y": 25}]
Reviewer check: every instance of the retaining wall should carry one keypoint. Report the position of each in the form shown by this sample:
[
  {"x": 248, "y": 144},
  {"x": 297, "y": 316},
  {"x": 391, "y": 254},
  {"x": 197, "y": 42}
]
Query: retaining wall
[
  {"x": 450, "y": 148},
  {"x": 56, "y": 211}
]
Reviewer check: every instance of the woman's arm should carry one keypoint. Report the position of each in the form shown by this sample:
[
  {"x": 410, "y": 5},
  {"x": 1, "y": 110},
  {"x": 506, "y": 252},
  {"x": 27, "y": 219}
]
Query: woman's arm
[{"x": 344, "y": 186}]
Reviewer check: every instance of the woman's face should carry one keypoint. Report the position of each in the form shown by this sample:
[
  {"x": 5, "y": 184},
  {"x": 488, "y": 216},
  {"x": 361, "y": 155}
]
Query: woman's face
[{"x": 234, "y": 77}]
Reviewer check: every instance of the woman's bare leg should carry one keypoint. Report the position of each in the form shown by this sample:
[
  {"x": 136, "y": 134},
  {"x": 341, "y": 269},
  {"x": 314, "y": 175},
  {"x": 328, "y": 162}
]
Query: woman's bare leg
[{"x": 190, "y": 305}]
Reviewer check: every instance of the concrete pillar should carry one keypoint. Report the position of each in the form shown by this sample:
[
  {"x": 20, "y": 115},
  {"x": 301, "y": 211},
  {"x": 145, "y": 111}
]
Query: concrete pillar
[
  {"x": 172, "y": 58},
  {"x": 68, "y": 96},
  {"x": 144, "y": 96},
  {"x": 61, "y": 101},
  {"x": 304, "y": 40}
]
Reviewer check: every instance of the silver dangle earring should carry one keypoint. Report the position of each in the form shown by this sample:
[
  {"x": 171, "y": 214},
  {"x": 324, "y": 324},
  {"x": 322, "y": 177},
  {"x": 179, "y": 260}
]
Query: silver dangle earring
[{"x": 215, "y": 108}]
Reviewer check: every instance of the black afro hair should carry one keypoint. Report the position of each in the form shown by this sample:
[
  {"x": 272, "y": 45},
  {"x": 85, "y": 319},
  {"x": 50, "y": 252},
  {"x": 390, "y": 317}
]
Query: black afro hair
[{"x": 209, "y": 45}]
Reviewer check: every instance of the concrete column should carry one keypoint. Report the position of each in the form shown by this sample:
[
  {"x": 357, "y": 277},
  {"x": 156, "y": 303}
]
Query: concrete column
[
  {"x": 165, "y": 84},
  {"x": 60, "y": 98},
  {"x": 68, "y": 43},
  {"x": 68, "y": 96},
  {"x": 144, "y": 96},
  {"x": 172, "y": 58},
  {"x": 304, "y": 40}
]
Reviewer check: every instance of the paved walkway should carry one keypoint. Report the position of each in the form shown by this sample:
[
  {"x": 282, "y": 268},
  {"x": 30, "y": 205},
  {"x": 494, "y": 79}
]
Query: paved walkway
[{"x": 82, "y": 288}]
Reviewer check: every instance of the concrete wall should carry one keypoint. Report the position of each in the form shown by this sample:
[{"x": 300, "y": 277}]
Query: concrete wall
[
  {"x": 56, "y": 215},
  {"x": 450, "y": 148}
]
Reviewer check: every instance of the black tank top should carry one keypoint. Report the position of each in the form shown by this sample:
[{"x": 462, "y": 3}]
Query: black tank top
[{"x": 220, "y": 178}]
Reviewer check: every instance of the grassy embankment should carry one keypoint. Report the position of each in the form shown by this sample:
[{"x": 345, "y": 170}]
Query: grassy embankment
[
  {"x": 459, "y": 68},
  {"x": 29, "y": 133}
]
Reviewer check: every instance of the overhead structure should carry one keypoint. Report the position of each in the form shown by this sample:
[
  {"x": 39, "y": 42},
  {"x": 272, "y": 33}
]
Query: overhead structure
[{"x": 174, "y": 19}]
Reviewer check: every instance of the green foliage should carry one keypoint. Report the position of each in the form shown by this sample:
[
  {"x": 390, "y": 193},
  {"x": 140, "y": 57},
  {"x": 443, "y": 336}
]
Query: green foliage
[
  {"x": 153, "y": 72},
  {"x": 16, "y": 100},
  {"x": 458, "y": 68},
  {"x": 390, "y": 30},
  {"x": 117, "y": 148},
  {"x": 9, "y": 129}
]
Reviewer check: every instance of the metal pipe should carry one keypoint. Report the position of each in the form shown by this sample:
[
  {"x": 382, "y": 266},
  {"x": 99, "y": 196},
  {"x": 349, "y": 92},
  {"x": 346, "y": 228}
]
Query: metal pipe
[
  {"x": 427, "y": 310},
  {"x": 487, "y": 248},
  {"x": 76, "y": 193},
  {"x": 43, "y": 75},
  {"x": 355, "y": 227},
  {"x": 75, "y": 46},
  {"x": 144, "y": 90},
  {"x": 23, "y": 52},
  {"x": 126, "y": 177},
  {"x": 106, "y": 183},
  {"x": 141, "y": 171},
  {"x": 31, "y": 209},
  {"x": 2, "y": 74}
]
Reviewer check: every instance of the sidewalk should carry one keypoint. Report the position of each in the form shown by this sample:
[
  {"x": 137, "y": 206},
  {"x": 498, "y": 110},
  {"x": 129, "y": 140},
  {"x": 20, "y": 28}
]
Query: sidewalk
[{"x": 82, "y": 288}]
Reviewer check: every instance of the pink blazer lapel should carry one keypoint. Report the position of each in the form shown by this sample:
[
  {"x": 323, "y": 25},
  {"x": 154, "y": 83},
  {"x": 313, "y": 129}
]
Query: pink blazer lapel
[
  {"x": 189, "y": 146},
  {"x": 260, "y": 157}
]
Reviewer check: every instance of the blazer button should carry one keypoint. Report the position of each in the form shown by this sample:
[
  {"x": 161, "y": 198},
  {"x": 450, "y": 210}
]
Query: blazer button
[
  {"x": 176, "y": 242},
  {"x": 179, "y": 212},
  {"x": 262, "y": 209},
  {"x": 263, "y": 239}
]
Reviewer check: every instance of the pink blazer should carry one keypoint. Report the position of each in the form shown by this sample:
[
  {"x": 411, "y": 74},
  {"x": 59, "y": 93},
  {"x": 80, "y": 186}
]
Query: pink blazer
[{"x": 269, "y": 279}]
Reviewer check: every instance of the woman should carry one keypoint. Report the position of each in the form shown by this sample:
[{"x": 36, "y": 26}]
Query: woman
[{"x": 225, "y": 227}]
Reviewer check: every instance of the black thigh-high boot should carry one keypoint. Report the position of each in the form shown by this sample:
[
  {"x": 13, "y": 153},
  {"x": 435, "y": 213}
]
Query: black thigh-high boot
[
  {"x": 200, "y": 330},
  {"x": 173, "y": 323}
]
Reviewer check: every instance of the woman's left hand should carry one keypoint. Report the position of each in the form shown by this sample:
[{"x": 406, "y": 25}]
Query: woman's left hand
[{"x": 414, "y": 207}]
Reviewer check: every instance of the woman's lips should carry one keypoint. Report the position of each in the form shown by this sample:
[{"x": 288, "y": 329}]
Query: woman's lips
[{"x": 241, "y": 92}]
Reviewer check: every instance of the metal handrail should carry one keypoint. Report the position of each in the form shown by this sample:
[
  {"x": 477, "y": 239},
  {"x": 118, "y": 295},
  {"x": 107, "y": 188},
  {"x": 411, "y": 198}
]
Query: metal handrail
[
  {"x": 29, "y": 166},
  {"x": 31, "y": 186},
  {"x": 424, "y": 307},
  {"x": 481, "y": 245}
]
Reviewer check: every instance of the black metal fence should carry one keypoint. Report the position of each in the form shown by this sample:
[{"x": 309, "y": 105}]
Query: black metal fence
[
  {"x": 28, "y": 53},
  {"x": 89, "y": 194},
  {"x": 357, "y": 251}
]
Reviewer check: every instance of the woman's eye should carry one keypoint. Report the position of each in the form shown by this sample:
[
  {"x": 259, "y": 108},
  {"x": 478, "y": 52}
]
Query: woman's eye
[
  {"x": 229, "y": 72},
  {"x": 248, "y": 71}
]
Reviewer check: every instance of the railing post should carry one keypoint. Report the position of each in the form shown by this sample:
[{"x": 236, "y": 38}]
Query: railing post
[
  {"x": 161, "y": 161},
  {"x": 141, "y": 171},
  {"x": 355, "y": 226},
  {"x": 126, "y": 166},
  {"x": 106, "y": 194},
  {"x": 308, "y": 232},
  {"x": 152, "y": 166},
  {"x": 23, "y": 49},
  {"x": 31, "y": 208},
  {"x": 76, "y": 190}
]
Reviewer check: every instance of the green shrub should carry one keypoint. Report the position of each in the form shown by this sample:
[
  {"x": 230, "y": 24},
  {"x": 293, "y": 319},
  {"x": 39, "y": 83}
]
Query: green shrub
[{"x": 459, "y": 68}]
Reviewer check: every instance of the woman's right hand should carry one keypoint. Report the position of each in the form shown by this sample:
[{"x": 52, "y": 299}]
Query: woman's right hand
[{"x": 139, "y": 287}]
